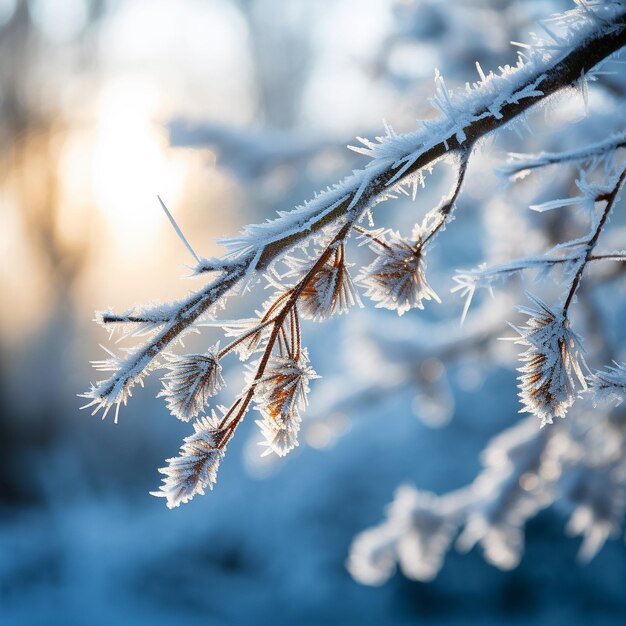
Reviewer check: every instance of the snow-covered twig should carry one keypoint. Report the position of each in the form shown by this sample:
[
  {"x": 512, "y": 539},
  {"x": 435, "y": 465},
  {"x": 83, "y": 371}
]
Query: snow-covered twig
[
  {"x": 610, "y": 198},
  {"x": 521, "y": 164},
  {"x": 323, "y": 285}
]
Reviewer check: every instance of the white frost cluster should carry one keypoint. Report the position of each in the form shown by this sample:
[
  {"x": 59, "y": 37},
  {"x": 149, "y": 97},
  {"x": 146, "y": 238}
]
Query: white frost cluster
[
  {"x": 192, "y": 379},
  {"x": 417, "y": 534},
  {"x": 279, "y": 396},
  {"x": 511, "y": 489},
  {"x": 396, "y": 278},
  {"x": 551, "y": 374},
  {"x": 195, "y": 468},
  {"x": 421, "y": 526},
  {"x": 596, "y": 495}
]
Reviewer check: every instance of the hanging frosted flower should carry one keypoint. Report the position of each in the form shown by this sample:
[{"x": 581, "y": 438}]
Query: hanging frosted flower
[
  {"x": 609, "y": 383},
  {"x": 396, "y": 278},
  {"x": 279, "y": 395},
  {"x": 330, "y": 291},
  {"x": 191, "y": 381},
  {"x": 551, "y": 372},
  {"x": 195, "y": 467}
]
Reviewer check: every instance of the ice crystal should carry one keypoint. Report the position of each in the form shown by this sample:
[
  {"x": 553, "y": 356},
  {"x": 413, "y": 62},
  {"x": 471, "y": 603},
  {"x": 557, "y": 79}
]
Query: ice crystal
[
  {"x": 191, "y": 381},
  {"x": 115, "y": 391},
  {"x": 396, "y": 278},
  {"x": 279, "y": 395},
  {"x": 195, "y": 468},
  {"x": 551, "y": 372}
]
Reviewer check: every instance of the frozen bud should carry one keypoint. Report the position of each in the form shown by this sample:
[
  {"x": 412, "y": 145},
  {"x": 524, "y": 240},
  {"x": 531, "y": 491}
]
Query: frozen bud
[
  {"x": 551, "y": 373},
  {"x": 329, "y": 291},
  {"x": 279, "y": 395},
  {"x": 396, "y": 279},
  {"x": 195, "y": 468},
  {"x": 191, "y": 381}
]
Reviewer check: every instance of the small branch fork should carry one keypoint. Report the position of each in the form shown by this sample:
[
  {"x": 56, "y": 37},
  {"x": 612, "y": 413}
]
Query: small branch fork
[
  {"x": 523, "y": 163},
  {"x": 288, "y": 309},
  {"x": 610, "y": 199}
]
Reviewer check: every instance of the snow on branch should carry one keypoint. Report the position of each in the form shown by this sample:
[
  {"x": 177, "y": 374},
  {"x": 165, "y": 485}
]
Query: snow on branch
[
  {"x": 521, "y": 164},
  {"x": 609, "y": 383},
  {"x": 482, "y": 277},
  {"x": 525, "y": 471},
  {"x": 318, "y": 282},
  {"x": 420, "y": 527}
]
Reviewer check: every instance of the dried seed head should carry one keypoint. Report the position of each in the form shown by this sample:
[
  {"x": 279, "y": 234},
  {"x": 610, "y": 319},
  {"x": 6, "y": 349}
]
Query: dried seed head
[
  {"x": 191, "y": 381},
  {"x": 330, "y": 291},
  {"x": 551, "y": 374},
  {"x": 396, "y": 278},
  {"x": 195, "y": 468},
  {"x": 279, "y": 395}
]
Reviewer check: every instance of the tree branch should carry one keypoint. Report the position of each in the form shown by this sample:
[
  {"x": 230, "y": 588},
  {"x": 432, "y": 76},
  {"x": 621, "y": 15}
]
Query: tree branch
[{"x": 491, "y": 104}]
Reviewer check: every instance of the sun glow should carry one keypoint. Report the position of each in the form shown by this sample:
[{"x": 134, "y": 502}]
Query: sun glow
[{"x": 132, "y": 164}]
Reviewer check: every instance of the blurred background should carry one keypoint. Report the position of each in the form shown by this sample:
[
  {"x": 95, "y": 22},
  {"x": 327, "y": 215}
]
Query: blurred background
[{"x": 231, "y": 110}]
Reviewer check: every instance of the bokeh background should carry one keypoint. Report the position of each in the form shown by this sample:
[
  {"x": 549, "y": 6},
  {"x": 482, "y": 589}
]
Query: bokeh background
[{"x": 231, "y": 110}]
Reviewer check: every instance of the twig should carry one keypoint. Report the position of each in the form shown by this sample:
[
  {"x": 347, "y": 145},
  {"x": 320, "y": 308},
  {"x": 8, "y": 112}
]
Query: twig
[{"x": 610, "y": 199}]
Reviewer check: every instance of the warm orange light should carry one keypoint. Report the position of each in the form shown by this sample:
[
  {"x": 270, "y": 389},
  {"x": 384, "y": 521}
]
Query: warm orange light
[{"x": 132, "y": 164}]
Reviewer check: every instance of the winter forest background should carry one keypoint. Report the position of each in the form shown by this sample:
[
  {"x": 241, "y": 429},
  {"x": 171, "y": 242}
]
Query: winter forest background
[{"x": 231, "y": 110}]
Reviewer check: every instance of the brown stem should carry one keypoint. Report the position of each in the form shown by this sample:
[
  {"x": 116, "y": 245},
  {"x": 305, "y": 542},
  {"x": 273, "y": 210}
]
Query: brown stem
[
  {"x": 291, "y": 302},
  {"x": 448, "y": 204},
  {"x": 609, "y": 198},
  {"x": 369, "y": 235},
  {"x": 233, "y": 344}
]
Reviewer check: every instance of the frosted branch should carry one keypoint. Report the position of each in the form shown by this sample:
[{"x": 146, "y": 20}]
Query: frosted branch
[
  {"x": 521, "y": 164},
  {"x": 322, "y": 286}
]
